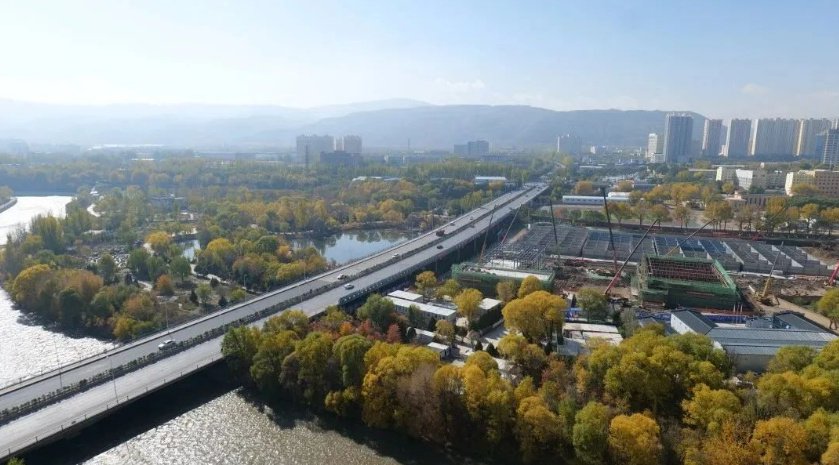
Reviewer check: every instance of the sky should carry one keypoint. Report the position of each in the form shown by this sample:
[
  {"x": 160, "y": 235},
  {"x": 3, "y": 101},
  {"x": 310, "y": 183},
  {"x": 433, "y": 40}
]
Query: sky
[{"x": 723, "y": 59}]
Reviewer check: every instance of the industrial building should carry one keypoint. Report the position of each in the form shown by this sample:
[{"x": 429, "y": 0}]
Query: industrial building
[
  {"x": 684, "y": 281},
  {"x": 404, "y": 300},
  {"x": 752, "y": 346}
]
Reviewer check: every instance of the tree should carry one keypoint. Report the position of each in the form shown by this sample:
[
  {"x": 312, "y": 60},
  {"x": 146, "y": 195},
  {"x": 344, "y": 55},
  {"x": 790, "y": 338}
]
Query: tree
[
  {"x": 538, "y": 429},
  {"x": 180, "y": 268},
  {"x": 635, "y": 439},
  {"x": 828, "y": 306},
  {"x": 449, "y": 288},
  {"x": 193, "y": 297},
  {"x": 591, "y": 432},
  {"x": 536, "y": 315},
  {"x": 163, "y": 285},
  {"x": 710, "y": 408},
  {"x": 584, "y": 188},
  {"x": 660, "y": 213},
  {"x": 379, "y": 310},
  {"x": 204, "y": 291},
  {"x": 159, "y": 241},
  {"x": 445, "y": 330},
  {"x": 350, "y": 351},
  {"x": 289, "y": 320},
  {"x": 809, "y": 212},
  {"x": 642, "y": 211},
  {"x": 268, "y": 360},
  {"x": 469, "y": 303},
  {"x": 426, "y": 282},
  {"x": 806, "y": 190},
  {"x": 620, "y": 211},
  {"x": 238, "y": 295},
  {"x": 312, "y": 354},
  {"x": 239, "y": 347},
  {"x": 27, "y": 285},
  {"x": 137, "y": 262},
  {"x": 831, "y": 455},
  {"x": 506, "y": 291},
  {"x": 107, "y": 268},
  {"x": 791, "y": 358},
  {"x": 780, "y": 441},
  {"x": 529, "y": 285},
  {"x": 594, "y": 304}
]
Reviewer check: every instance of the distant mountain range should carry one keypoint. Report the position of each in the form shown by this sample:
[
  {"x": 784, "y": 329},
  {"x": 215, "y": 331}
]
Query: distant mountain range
[{"x": 381, "y": 124}]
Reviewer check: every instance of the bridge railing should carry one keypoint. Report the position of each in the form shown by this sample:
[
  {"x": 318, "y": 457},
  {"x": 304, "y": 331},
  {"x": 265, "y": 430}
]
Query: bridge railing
[{"x": 89, "y": 414}]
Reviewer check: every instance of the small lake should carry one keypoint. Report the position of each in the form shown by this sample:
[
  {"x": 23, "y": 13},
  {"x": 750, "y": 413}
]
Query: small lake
[{"x": 348, "y": 246}]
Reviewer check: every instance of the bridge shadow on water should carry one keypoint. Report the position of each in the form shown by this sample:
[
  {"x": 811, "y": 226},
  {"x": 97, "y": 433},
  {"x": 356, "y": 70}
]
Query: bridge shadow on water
[{"x": 165, "y": 405}]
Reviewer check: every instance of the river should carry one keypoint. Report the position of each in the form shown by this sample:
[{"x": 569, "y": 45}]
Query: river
[
  {"x": 348, "y": 246},
  {"x": 26, "y": 348}
]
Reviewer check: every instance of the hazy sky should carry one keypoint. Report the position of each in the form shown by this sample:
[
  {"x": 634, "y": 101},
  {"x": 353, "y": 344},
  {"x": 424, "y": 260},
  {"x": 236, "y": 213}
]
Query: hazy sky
[{"x": 720, "y": 58}]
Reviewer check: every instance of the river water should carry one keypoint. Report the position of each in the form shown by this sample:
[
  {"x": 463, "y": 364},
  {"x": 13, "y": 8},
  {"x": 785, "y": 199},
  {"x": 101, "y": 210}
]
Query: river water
[
  {"x": 348, "y": 246},
  {"x": 26, "y": 348}
]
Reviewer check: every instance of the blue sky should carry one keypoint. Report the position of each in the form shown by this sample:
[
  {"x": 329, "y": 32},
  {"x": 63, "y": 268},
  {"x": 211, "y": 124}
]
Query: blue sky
[{"x": 720, "y": 58}]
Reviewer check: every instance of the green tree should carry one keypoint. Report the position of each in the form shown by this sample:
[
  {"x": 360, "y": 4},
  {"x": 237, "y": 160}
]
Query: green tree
[
  {"x": 594, "y": 304},
  {"x": 379, "y": 310},
  {"x": 591, "y": 432},
  {"x": 635, "y": 439},
  {"x": 204, "y": 292},
  {"x": 107, "y": 268},
  {"x": 350, "y": 351},
  {"x": 268, "y": 360},
  {"x": 138, "y": 263},
  {"x": 239, "y": 347},
  {"x": 180, "y": 268},
  {"x": 313, "y": 354}
]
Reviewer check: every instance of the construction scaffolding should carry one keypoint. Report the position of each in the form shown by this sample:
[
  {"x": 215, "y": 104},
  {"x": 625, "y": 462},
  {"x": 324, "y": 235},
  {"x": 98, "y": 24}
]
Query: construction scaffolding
[
  {"x": 674, "y": 281},
  {"x": 531, "y": 251},
  {"x": 486, "y": 277}
]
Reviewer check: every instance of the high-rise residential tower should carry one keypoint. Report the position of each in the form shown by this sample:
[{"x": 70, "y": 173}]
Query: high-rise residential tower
[
  {"x": 774, "y": 136},
  {"x": 830, "y": 152},
  {"x": 569, "y": 144},
  {"x": 309, "y": 148},
  {"x": 737, "y": 141},
  {"x": 655, "y": 148},
  {"x": 810, "y": 137},
  {"x": 712, "y": 138},
  {"x": 351, "y": 144},
  {"x": 678, "y": 134}
]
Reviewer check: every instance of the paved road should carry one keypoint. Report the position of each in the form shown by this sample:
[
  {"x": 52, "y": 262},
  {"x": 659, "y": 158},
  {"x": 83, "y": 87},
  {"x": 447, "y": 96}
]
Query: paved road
[{"x": 403, "y": 256}]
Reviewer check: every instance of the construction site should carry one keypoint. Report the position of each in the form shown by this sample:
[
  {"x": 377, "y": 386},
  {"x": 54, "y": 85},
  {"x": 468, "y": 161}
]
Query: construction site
[
  {"x": 681, "y": 281},
  {"x": 651, "y": 269}
]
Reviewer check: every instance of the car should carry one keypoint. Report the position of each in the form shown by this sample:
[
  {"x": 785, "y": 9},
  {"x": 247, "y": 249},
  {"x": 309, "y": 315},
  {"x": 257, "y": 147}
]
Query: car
[
  {"x": 168, "y": 344},
  {"x": 348, "y": 286},
  {"x": 396, "y": 255},
  {"x": 342, "y": 276},
  {"x": 471, "y": 217},
  {"x": 440, "y": 246}
]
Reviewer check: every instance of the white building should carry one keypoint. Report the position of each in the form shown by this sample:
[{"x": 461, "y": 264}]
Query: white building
[
  {"x": 726, "y": 174},
  {"x": 747, "y": 179},
  {"x": 655, "y": 148},
  {"x": 426, "y": 311}
]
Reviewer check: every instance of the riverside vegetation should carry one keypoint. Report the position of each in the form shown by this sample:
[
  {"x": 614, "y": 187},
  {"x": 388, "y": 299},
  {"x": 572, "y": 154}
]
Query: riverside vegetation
[{"x": 651, "y": 399}]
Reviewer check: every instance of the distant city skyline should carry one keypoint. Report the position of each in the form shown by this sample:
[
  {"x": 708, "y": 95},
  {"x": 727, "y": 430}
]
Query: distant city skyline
[{"x": 572, "y": 55}]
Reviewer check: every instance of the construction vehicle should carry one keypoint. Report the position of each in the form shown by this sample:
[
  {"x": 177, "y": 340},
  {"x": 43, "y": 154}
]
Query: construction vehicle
[
  {"x": 831, "y": 281},
  {"x": 764, "y": 297}
]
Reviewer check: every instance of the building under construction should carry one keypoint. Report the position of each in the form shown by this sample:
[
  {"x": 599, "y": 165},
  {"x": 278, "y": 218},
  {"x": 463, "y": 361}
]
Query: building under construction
[
  {"x": 485, "y": 278},
  {"x": 686, "y": 282}
]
